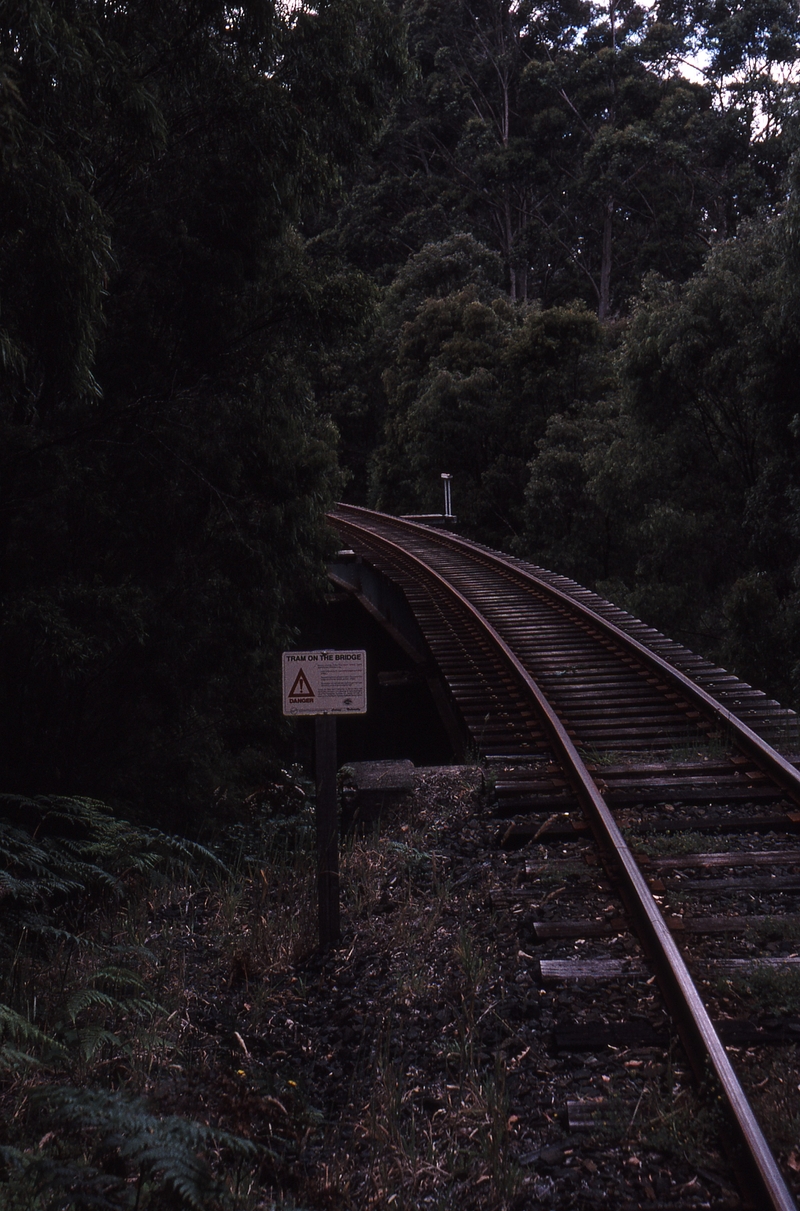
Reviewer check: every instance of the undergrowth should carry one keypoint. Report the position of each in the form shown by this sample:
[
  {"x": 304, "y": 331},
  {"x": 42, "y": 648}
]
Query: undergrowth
[
  {"x": 107, "y": 1101},
  {"x": 171, "y": 1040}
]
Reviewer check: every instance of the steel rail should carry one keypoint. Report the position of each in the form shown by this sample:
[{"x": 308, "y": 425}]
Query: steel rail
[
  {"x": 701, "y": 1040},
  {"x": 768, "y": 758}
]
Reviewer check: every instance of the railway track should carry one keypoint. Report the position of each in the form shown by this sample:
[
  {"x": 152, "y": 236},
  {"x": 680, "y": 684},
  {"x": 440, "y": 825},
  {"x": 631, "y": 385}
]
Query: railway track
[{"x": 614, "y": 750}]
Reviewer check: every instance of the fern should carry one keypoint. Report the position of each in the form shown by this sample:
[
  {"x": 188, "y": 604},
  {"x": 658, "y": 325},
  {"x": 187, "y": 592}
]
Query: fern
[
  {"x": 61, "y": 859},
  {"x": 55, "y": 844},
  {"x": 117, "y": 989},
  {"x": 121, "y": 981},
  {"x": 86, "y": 998},
  {"x": 16, "y": 1029},
  {"x": 118, "y": 993},
  {"x": 159, "y": 1154},
  {"x": 31, "y": 869},
  {"x": 41, "y": 1183},
  {"x": 57, "y": 851},
  {"x": 40, "y": 928}
]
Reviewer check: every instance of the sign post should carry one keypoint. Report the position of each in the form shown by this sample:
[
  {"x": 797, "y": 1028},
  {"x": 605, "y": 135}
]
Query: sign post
[
  {"x": 327, "y": 832},
  {"x": 326, "y": 684}
]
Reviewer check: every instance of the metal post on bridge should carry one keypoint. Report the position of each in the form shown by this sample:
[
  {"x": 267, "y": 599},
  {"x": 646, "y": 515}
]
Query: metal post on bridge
[{"x": 448, "y": 502}]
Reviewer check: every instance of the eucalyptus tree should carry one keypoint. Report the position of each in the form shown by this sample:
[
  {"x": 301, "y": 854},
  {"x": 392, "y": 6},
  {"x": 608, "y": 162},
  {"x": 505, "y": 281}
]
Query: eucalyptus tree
[{"x": 569, "y": 138}]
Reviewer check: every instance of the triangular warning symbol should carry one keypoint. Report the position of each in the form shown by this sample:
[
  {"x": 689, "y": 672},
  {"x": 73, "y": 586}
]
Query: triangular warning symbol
[{"x": 301, "y": 688}]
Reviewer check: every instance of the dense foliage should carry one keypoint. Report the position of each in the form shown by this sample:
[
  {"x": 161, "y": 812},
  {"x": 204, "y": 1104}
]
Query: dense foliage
[
  {"x": 693, "y": 475},
  {"x": 164, "y": 463}
]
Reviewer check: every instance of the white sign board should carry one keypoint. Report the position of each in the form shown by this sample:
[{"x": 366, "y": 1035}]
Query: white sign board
[{"x": 324, "y": 683}]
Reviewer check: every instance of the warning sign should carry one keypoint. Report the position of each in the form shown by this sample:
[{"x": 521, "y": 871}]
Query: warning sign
[
  {"x": 324, "y": 683},
  {"x": 301, "y": 691}
]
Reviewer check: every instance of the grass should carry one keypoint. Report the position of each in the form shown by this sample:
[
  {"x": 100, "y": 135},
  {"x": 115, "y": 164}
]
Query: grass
[
  {"x": 428, "y": 1135},
  {"x": 672, "y": 844},
  {"x": 678, "y": 1119},
  {"x": 764, "y": 989},
  {"x": 771, "y": 1086},
  {"x": 703, "y": 743},
  {"x": 594, "y": 756},
  {"x": 774, "y": 929},
  {"x": 465, "y": 1139}
]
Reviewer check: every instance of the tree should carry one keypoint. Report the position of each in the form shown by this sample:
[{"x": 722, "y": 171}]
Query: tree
[
  {"x": 165, "y": 466},
  {"x": 470, "y": 382},
  {"x": 693, "y": 463},
  {"x": 564, "y": 138}
]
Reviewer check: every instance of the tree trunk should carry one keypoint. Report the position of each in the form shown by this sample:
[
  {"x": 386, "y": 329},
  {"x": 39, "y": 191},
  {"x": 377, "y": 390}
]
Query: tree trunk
[
  {"x": 509, "y": 248},
  {"x": 605, "y": 262}
]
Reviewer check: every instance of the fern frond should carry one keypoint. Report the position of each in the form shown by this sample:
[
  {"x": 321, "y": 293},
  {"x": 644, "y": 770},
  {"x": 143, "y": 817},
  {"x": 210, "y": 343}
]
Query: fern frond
[
  {"x": 117, "y": 990},
  {"x": 85, "y": 998},
  {"x": 119, "y": 980},
  {"x": 11, "y": 1156},
  {"x": 12, "y": 1060},
  {"x": 64, "y": 1185},
  {"x": 55, "y": 934},
  {"x": 18, "y": 889},
  {"x": 80, "y": 844},
  {"x": 29, "y": 860},
  {"x": 17, "y": 1029},
  {"x": 179, "y": 851},
  {"x": 90, "y": 1039},
  {"x": 171, "y": 1152},
  {"x": 131, "y": 950},
  {"x": 14, "y": 1026}
]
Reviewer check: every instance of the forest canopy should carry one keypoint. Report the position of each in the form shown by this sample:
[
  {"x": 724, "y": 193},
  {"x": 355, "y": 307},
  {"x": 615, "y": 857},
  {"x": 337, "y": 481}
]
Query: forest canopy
[{"x": 256, "y": 256}]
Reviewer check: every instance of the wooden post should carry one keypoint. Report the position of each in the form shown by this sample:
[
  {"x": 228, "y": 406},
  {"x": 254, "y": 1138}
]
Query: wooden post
[{"x": 327, "y": 832}]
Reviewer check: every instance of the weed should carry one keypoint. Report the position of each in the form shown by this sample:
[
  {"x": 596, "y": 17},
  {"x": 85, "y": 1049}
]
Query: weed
[
  {"x": 548, "y": 877},
  {"x": 594, "y": 756},
  {"x": 680, "y": 1122},
  {"x": 767, "y": 988},
  {"x": 473, "y": 970},
  {"x": 701, "y": 744},
  {"x": 494, "y": 1100},
  {"x": 772, "y": 929},
  {"x": 674, "y": 844},
  {"x": 671, "y": 1115}
]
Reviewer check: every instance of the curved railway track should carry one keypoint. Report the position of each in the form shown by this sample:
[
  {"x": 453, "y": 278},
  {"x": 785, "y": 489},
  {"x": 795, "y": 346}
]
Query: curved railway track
[{"x": 575, "y": 701}]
